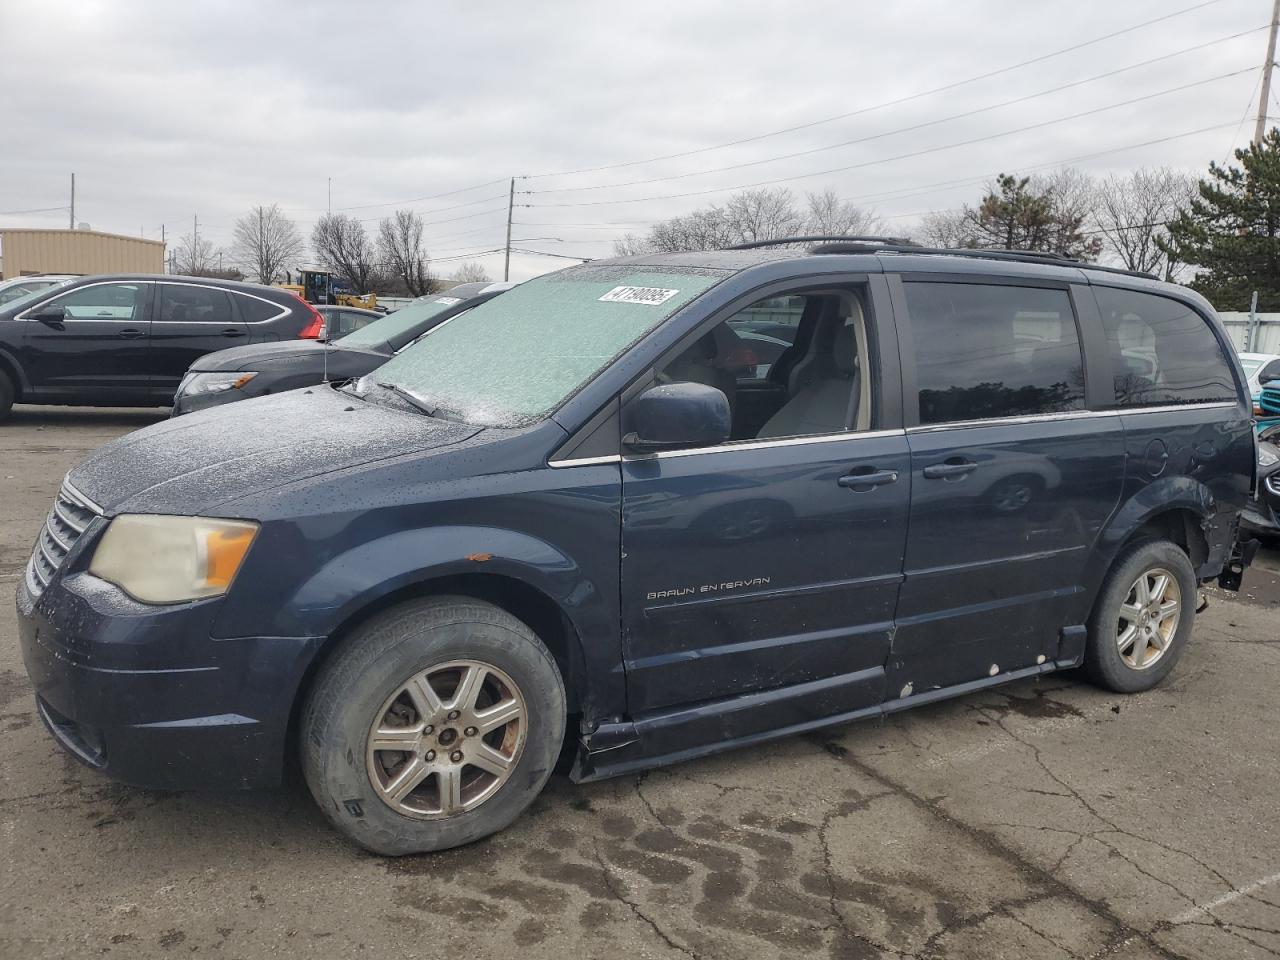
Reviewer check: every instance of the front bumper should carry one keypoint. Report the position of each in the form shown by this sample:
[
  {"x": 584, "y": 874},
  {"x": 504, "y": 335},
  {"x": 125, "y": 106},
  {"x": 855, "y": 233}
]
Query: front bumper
[{"x": 147, "y": 696}]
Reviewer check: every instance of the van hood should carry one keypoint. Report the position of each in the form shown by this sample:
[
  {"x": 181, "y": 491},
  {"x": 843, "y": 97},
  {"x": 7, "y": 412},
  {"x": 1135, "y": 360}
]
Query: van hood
[{"x": 191, "y": 464}]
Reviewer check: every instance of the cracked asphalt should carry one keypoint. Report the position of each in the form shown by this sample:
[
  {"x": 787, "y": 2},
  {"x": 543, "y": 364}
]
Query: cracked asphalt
[{"x": 1043, "y": 819}]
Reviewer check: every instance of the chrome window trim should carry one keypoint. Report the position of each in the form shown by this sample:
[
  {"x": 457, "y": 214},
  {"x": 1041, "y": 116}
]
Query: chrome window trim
[
  {"x": 1070, "y": 415},
  {"x": 854, "y": 434},
  {"x": 85, "y": 286},
  {"x": 284, "y": 309}
]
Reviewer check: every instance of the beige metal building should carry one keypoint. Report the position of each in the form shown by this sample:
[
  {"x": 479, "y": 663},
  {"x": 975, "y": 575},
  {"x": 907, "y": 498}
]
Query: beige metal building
[{"x": 24, "y": 252}]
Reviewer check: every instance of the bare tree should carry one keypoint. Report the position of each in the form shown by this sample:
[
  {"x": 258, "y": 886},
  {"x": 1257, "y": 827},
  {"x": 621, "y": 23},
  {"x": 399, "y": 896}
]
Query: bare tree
[
  {"x": 403, "y": 254},
  {"x": 342, "y": 247},
  {"x": 1132, "y": 212},
  {"x": 194, "y": 256},
  {"x": 828, "y": 215},
  {"x": 751, "y": 215},
  {"x": 471, "y": 273},
  {"x": 266, "y": 241},
  {"x": 946, "y": 228}
]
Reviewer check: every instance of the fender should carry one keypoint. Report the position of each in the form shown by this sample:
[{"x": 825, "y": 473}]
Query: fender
[
  {"x": 351, "y": 580},
  {"x": 1157, "y": 497}
]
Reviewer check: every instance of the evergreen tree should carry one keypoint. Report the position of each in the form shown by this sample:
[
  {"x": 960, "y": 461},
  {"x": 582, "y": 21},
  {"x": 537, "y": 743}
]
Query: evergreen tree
[
  {"x": 1231, "y": 232},
  {"x": 1020, "y": 214}
]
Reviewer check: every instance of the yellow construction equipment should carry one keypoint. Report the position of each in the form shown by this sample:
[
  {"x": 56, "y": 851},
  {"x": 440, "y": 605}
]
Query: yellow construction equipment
[{"x": 320, "y": 286}]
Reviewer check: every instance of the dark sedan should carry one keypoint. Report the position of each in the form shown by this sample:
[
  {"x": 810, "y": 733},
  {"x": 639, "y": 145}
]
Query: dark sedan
[
  {"x": 260, "y": 369},
  {"x": 126, "y": 340}
]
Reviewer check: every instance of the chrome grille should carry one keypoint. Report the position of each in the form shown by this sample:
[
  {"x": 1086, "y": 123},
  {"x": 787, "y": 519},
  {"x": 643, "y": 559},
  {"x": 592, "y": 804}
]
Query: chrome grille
[
  {"x": 71, "y": 514},
  {"x": 1273, "y": 484}
]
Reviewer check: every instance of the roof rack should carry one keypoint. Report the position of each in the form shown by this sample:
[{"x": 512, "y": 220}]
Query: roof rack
[
  {"x": 979, "y": 253},
  {"x": 782, "y": 241}
]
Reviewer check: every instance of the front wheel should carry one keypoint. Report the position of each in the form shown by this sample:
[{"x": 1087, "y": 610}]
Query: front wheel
[
  {"x": 436, "y": 724},
  {"x": 6, "y": 395},
  {"x": 1142, "y": 619}
]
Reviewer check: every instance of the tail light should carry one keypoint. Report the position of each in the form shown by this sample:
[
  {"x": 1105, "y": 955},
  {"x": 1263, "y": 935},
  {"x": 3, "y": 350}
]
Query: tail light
[{"x": 315, "y": 328}]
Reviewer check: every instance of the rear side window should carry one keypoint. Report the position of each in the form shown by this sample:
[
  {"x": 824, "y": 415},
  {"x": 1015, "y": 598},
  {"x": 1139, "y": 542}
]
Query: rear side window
[
  {"x": 190, "y": 304},
  {"x": 257, "y": 311},
  {"x": 1162, "y": 351},
  {"x": 985, "y": 350}
]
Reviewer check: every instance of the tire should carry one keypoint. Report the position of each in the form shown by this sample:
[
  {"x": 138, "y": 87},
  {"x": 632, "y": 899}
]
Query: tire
[
  {"x": 6, "y": 395},
  {"x": 445, "y": 640},
  {"x": 1109, "y": 661}
]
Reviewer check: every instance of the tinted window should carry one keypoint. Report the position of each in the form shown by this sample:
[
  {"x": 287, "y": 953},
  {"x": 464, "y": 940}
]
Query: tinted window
[
  {"x": 1162, "y": 351},
  {"x": 184, "y": 304},
  {"x": 987, "y": 351},
  {"x": 256, "y": 311},
  {"x": 103, "y": 301}
]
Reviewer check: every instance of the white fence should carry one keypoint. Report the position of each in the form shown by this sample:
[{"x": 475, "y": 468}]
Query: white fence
[{"x": 1266, "y": 331}]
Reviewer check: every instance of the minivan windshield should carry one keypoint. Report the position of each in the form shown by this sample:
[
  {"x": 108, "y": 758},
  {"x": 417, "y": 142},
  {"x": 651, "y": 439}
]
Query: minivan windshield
[
  {"x": 385, "y": 329},
  {"x": 514, "y": 359}
]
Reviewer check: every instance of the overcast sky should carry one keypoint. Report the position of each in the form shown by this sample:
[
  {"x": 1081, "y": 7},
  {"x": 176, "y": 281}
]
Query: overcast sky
[{"x": 165, "y": 110}]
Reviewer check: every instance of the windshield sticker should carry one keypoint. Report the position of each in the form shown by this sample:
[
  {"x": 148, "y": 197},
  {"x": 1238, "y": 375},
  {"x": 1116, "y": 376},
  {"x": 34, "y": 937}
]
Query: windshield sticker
[
  {"x": 448, "y": 300},
  {"x": 648, "y": 295}
]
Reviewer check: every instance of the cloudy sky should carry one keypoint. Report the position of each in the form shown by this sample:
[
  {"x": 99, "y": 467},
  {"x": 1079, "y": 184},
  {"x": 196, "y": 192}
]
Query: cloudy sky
[{"x": 610, "y": 116}]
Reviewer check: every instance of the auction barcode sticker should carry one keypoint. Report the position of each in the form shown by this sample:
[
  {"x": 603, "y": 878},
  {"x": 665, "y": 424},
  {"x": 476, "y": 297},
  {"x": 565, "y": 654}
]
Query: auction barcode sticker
[
  {"x": 650, "y": 295},
  {"x": 448, "y": 300}
]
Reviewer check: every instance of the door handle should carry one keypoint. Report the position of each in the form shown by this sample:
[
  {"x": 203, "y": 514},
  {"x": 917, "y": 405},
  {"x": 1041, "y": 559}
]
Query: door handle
[
  {"x": 952, "y": 469},
  {"x": 232, "y": 332},
  {"x": 867, "y": 478},
  {"x": 130, "y": 333}
]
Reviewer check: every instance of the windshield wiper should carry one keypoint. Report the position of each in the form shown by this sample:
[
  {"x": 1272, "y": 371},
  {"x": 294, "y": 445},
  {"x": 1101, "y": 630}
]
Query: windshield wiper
[{"x": 409, "y": 396}]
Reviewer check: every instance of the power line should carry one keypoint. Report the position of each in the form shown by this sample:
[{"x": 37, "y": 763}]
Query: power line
[
  {"x": 907, "y": 129},
  {"x": 901, "y": 156},
  {"x": 15, "y": 213},
  {"x": 887, "y": 103},
  {"x": 392, "y": 203}
]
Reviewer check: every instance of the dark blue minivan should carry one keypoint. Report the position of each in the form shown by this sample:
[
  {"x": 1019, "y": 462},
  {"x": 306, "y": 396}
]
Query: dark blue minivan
[{"x": 606, "y": 506}]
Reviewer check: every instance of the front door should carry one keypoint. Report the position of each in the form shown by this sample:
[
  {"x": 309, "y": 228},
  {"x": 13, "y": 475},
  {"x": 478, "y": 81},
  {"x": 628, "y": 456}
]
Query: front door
[
  {"x": 191, "y": 320},
  {"x": 1012, "y": 480},
  {"x": 97, "y": 351},
  {"x": 774, "y": 559}
]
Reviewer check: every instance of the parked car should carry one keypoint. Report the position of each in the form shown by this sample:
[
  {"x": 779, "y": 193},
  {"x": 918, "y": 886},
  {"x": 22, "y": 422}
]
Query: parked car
[
  {"x": 259, "y": 369},
  {"x": 11, "y": 290},
  {"x": 127, "y": 340},
  {"x": 1262, "y": 516},
  {"x": 339, "y": 321},
  {"x": 1253, "y": 365},
  {"x": 565, "y": 511}
]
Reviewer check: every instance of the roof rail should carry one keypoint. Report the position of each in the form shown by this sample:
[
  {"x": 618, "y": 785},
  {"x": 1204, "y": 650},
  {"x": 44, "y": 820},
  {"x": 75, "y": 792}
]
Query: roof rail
[
  {"x": 781, "y": 241},
  {"x": 977, "y": 253}
]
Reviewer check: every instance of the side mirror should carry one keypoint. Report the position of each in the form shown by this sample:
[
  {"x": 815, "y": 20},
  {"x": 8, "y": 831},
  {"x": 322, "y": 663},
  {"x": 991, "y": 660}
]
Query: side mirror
[
  {"x": 49, "y": 314},
  {"x": 1270, "y": 373},
  {"x": 675, "y": 416}
]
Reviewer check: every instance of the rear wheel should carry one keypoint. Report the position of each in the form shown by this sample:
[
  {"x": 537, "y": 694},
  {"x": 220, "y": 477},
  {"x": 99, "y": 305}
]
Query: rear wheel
[
  {"x": 1142, "y": 619},
  {"x": 6, "y": 395},
  {"x": 436, "y": 724}
]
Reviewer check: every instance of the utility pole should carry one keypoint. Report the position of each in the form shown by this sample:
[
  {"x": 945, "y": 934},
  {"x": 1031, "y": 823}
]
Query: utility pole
[
  {"x": 511, "y": 203},
  {"x": 330, "y": 210},
  {"x": 1267, "y": 67},
  {"x": 165, "y": 247},
  {"x": 73, "y": 194}
]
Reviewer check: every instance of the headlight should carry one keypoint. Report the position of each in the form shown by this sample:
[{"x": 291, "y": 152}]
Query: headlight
[
  {"x": 1266, "y": 457},
  {"x": 160, "y": 559},
  {"x": 194, "y": 384}
]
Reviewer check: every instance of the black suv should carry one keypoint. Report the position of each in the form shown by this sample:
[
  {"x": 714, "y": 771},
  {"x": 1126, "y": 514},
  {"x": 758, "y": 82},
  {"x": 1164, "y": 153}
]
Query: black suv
[
  {"x": 591, "y": 505},
  {"x": 258, "y": 369},
  {"x": 126, "y": 340}
]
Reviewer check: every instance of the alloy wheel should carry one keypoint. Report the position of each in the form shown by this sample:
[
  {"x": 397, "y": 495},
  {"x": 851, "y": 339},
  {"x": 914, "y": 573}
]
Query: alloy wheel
[
  {"x": 1149, "y": 618},
  {"x": 447, "y": 740}
]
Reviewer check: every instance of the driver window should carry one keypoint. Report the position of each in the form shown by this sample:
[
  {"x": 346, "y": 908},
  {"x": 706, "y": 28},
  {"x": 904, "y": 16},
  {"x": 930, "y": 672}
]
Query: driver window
[
  {"x": 790, "y": 366},
  {"x": 102, "y": 301}
]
